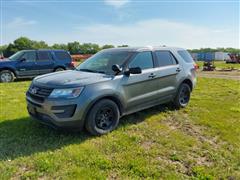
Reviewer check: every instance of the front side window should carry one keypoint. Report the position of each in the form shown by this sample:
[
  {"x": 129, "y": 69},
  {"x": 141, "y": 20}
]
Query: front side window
[
  {"x": 165, "y": 58},
  {"x": 44, "y": 56},
  {"x": 29, "y": 56},
  {"x": 103, "y": 61},
  {"x": 16, "y": 56},
  {"x": 143, "y": 60}
]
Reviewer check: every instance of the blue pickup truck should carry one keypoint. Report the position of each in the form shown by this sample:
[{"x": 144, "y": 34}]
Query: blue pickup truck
[{"x": 31, "y": 63}]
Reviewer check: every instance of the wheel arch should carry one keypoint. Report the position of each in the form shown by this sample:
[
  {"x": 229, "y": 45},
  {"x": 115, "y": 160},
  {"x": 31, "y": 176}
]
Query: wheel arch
[
  {"x": 113, "y": 98},
  {"x": 59, "y": 66},
  {"x": 188, "y": 82},
  {"x": 10, "y": 69}
]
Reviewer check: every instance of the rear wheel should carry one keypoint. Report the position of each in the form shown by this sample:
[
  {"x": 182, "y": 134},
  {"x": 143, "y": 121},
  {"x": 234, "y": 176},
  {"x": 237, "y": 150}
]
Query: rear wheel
[
  {"x": 6, "y": 76},
  {"x": 103, "y": 117},
  {"x": 59, "y": 69},
  {"x": 183, "y": 96}
]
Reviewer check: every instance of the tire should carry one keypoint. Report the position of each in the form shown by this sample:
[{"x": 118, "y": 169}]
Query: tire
[
  {"x": 59, "y": 69},
  {"x": 183, "y": 96},
  {"x": 6, "y": 76},
  {"x": 102, "y": 118}
]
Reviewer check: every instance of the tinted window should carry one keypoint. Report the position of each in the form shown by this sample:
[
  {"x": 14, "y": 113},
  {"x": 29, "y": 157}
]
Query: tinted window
[
  {"x": 142, "y": 60},
  {"x": 44, "y": 55},
  {"x": 165, "y": 58},
  {"x": 62, "y": 55},
  {"x": 29, "y": 56},
  {"x": 186, "y": 56}
]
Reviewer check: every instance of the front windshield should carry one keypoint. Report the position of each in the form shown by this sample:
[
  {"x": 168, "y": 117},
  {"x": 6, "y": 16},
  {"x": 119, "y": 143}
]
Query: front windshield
[
  {"x": 16, "y": 56},
  {"x": 103, "y": 61}
]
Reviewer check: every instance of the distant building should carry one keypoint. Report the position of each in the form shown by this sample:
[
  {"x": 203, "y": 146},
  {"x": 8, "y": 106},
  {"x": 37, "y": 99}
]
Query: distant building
[
  {"x": 209, "y": 56},
  {"x": 221, "y": 56}
]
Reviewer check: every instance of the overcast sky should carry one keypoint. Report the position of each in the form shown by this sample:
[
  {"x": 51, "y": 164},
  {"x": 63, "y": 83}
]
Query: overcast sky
[{"x": 188, "y": 24}]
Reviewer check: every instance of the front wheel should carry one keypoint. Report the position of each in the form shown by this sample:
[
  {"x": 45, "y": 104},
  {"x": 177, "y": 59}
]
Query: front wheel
[
  {"x": 6, "y": 76},
  {"x": 183, "y": 96},
  {"x": 103, "y": 117}
]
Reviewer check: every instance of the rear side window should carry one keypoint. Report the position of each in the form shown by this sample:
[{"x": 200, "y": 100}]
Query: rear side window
[
  {"x": 62, "y": 55},
  {"x": 44, "y": 56},
  {"x": 186, "y": 56},
  {"x": 29, "y": 56},
  {"x": 165, "y": 58},
  {"x": 143, "y": 60}
]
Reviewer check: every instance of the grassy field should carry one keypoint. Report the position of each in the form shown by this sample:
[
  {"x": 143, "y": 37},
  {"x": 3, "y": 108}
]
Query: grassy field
[
  {"x": 221, "y": 65},
  {"x": 199, "y": 142}
]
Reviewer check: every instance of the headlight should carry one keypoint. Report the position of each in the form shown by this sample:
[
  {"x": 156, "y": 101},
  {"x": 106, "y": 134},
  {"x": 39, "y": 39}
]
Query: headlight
[{"x": 66, "y": 93}]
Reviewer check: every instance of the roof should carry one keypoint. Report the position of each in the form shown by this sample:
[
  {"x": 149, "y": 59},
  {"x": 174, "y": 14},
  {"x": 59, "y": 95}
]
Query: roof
[
  {"x": 44, "y": 50},
  {"x": 144, "y": 48}
]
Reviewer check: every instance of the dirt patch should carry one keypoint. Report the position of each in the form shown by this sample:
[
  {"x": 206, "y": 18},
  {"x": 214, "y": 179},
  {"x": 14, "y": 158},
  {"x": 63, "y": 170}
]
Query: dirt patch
[
  {"x": 182, "y": 123},
  {"x": 147, "y": 145},
  {"x": 235, "y": 75}
]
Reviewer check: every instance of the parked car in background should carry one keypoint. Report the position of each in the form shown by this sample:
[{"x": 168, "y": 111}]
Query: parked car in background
[
  {"x": 110, "y": 84},
  {"x": 31, "y": 63}
]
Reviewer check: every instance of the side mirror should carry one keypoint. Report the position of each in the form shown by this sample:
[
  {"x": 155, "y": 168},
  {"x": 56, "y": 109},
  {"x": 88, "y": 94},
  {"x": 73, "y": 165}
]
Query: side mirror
[
  {"x": 22, "y": 60},
  {"x": 134, "y": 70},
  {"x": 116, "y": 68}
]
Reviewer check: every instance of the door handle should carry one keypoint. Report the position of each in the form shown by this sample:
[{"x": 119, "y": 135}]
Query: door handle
[
  {"x": 178, "y": 70},
  {"x": 152, "y": 75}
]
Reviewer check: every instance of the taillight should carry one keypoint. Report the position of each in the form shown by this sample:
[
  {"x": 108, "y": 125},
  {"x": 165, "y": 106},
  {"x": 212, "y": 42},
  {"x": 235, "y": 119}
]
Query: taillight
[
  {"x": 72, "y": 64},
  {"x": 195, "y": 66}
]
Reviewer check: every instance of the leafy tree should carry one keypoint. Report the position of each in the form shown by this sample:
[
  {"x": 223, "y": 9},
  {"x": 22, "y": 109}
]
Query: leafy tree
[
  {"x": 74, "y": 47},
  {"x": 107, "y": 46},
  {"x": 89, "y": 48},
  {"x": 124, "y": 45},
  {"x": 10, "y": 50},
  {"x": 23, "y": 43},
  {"x": 19, "y": 44},
  {"x": 60, "y": 46},
  {"x": 3, "y": 48},
  {"x": 39, "y": 45}
]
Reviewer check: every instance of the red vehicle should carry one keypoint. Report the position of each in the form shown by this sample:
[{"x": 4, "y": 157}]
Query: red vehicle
[{"x": 234, "y": 58}]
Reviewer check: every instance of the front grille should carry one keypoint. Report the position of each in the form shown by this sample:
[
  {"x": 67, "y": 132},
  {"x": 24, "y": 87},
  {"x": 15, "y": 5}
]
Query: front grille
[{"x": 39, "y": 93}]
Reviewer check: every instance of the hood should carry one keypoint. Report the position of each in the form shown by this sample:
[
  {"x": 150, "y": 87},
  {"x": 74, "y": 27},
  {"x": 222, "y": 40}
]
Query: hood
[
  {"x": 71, "y": 78},
  {"x": 6, "y": 61}
]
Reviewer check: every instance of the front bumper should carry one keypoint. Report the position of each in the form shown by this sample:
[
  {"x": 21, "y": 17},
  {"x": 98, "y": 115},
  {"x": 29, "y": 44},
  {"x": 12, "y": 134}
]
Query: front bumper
[{"x": 57, "y": 113}]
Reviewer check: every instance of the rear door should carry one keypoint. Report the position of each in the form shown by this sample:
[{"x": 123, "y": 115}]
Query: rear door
[
  {"x": 168, "y": 73},
  {"x": 140, "y": 89},
  {"x": 45, "y": 62},
  {"x": 27, "y": 64}
]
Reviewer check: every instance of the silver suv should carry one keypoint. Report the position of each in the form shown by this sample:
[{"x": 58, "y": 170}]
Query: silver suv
[{"x": 112, "y": 83}]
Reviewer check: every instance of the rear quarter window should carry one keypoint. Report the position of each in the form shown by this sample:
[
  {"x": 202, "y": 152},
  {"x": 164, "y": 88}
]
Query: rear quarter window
[
  {"x": 186, "y": 56},
  {"x": 62, "y": 55}
]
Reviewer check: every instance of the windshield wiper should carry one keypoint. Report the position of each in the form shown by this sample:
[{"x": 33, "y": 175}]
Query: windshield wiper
[{"x": 90, "y": 70}]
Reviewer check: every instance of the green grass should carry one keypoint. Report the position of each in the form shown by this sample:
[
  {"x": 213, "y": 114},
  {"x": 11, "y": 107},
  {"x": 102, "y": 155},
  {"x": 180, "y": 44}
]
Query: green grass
[
  {"x": 199, "y": 142},
  {"x": 221, "y": 65}
]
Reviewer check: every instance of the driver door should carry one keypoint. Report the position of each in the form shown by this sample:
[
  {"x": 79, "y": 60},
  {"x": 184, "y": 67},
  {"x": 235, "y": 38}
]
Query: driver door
[
  {"x": 27, "y": 64},
  {"x": 141, "y": 89}
]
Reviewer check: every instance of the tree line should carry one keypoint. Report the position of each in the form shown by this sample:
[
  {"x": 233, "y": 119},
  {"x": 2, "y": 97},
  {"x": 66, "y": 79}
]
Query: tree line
[
  {"x": 75, "y": 47},
  {"x": 205, "y": 50}
]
